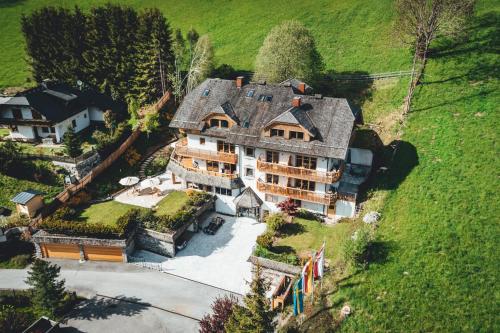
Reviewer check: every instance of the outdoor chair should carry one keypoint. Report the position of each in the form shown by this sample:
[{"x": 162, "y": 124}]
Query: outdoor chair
[
  {"x": 148, "y": 191},
  {"x": 281, "y": 293}
]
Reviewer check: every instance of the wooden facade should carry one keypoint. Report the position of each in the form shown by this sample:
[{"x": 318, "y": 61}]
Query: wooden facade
[
  {"x": 328, "y": 177},
  {"x": 182, "y": 149},
  {"x": 296, "y": 193}
]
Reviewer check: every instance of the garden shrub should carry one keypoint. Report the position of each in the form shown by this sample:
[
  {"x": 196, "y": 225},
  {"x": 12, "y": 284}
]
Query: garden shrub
[
  {"x": 21, "y": 260},
  {"x": 198, "y": 198},
  {"x": 307, "y": 215},
  {"x": 287, "y": 258},
  {"x": 354, "y": 249},
  {"x": 265, "y": 240},
  {"x": 158, "y": 165},
  {"x": 275, "y": 222},
  {"x": 165, "y": 223}
]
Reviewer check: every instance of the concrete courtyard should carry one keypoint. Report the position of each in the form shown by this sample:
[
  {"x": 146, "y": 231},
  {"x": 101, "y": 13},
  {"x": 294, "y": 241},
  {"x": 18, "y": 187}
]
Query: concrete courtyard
[{"x": 218, "y": 260}]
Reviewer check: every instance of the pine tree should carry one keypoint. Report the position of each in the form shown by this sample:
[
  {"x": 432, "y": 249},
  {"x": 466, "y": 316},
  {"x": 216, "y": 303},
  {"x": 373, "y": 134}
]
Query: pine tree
[
  {"x": 256, "y": 316},
  {"x": 48, "y": 291},
  {"x": 72, "y": 143},
  {"x": 154, "y": 57},
  {"x": 110, "y": 57}
]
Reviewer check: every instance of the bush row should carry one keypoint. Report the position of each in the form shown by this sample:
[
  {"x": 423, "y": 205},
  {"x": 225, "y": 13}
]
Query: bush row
[{"x": 287, "y": 258}]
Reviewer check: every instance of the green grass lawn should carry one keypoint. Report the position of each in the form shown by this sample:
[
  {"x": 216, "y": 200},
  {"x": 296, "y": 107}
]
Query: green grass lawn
[
  {"x": 172, "y": 203},
  {"x": 437, "y": 260},
  {"x": 105, "y": 212},
  {"x": 305, "y": 236},
  {"x": 4, "y": 132},
  {"x": 352, "y": 35}
]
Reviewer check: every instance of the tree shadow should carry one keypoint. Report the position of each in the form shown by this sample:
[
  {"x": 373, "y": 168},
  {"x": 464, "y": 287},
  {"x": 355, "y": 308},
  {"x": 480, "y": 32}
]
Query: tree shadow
[
  {"x": 283, "y": 249},
  {"x": 378, "y": 251},
  {"x": 291, "y": 229},
  {"x": 11, "y": 3},
  {"x": 103, "y": 308},
  {"x": 349, "y": 85}
]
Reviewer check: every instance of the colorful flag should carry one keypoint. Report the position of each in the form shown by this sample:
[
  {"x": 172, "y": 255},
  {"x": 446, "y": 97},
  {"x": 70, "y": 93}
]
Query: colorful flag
[
  {"x": 298, "y": 298},
  {"x": 320, "y": 262},
  {"x": 307, "y": 275},
  {"x": 310, "y": 276}
]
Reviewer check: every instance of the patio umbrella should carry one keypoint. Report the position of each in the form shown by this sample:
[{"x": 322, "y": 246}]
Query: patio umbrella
[
  {"x": 128, "y": 181},
  {"x": 150, "y": 182}
]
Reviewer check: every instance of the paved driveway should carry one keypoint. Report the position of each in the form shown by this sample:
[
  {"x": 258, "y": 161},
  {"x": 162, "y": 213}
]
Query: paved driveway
[
  {"x": 219, "y": 260},
  {"x": 181, "y": 301}
]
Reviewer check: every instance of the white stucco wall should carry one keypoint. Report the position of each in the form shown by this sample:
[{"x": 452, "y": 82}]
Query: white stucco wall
[
  {"x": 23, "y": 133},
  {"x": 25, "y": 111},
  {"x": 194, "y": 142},
  {"x": 82, "y": 122},
  {"x": 96, "y": 114},
  {"x": 345, "y": 208}
]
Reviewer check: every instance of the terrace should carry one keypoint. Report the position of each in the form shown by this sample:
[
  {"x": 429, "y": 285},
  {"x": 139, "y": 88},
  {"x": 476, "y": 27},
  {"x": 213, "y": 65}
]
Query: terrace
[
  {"x": 182, "y": 149},
  {"x": 328, "y": 177},
  {"x": 296, "y": 193}
]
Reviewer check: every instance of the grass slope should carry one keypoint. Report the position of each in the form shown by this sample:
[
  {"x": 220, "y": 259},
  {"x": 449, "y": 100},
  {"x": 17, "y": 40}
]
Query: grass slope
[
  {"x": 105, "y": 213},
  {"x": 352, "y": 35},
  {"x": 437, "y": 252},
  {"x": 10, "y": 186},
  {"x": 172, "y": 203}
]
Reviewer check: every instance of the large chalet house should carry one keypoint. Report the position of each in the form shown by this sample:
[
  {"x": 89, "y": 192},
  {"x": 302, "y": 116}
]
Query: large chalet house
[
  {"x": 255, "y": 145},
  {"x": 47, "y": 111}
]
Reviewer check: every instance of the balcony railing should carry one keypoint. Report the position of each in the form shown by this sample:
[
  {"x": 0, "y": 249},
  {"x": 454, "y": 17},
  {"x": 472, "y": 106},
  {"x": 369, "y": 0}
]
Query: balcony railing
[
  {"x": 296, "y": 193},
  {"x": 327, "y": 177},
  {"x": 183, "y": 150},
  {"x": 176, "y": 159}
]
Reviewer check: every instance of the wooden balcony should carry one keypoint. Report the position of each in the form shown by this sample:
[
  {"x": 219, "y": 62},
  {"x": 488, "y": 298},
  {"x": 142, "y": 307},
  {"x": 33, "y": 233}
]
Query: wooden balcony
[
  {"x": 327, "y": 177},
  {"x": 187, "y": 164},
  {"x": 295, "y": 193},
  {"x": 182, "y": 149}
]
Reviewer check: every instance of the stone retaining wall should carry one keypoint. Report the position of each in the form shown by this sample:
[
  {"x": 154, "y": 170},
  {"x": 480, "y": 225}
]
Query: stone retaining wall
[
  {"x": 274, "y": 269},
  {"x": 80, "y": 169}
]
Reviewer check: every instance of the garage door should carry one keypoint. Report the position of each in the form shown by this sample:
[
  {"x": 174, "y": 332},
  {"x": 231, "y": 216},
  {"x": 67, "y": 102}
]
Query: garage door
[
  {"x": 103, "y": 253},
  {"x": 64, "y": 251}
]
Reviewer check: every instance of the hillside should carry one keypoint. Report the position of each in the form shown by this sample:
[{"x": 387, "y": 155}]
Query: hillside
[{"x": 351, "y": 35}]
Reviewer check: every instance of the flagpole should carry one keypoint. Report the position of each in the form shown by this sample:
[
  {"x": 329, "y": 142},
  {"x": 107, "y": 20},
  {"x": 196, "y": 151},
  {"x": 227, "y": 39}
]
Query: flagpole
[
  {"x": 312, "y": 278},
  {"x": 323, "y": 264}
]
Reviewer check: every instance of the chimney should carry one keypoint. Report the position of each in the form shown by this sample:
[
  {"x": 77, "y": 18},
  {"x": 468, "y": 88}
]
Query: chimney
[
  {"x": 301, "y": 87},
  {"x": 296, "y": 102},
  {"x": 239, "y": 81}
]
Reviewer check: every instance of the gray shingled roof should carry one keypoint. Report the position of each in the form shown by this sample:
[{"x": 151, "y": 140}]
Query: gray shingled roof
[
  {"x": 331, "y": 118},
  {"x": 23, "y": 198},
  {"x": 248, "y": 199}
]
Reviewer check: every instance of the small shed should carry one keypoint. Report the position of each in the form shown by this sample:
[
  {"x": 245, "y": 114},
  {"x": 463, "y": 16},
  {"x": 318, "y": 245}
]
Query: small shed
[
  {"x": 249, "y": 204},
  {"x": 28, "y": 202}
]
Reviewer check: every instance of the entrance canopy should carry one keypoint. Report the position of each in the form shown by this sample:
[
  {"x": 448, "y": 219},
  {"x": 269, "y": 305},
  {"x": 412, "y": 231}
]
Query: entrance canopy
[{"x": 248, "y": 199}]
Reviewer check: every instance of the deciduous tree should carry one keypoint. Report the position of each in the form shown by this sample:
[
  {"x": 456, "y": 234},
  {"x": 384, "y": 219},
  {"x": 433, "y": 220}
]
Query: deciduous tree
[
  {"x": 289, "y": 51},
  {"x": 222, "y": 308}
]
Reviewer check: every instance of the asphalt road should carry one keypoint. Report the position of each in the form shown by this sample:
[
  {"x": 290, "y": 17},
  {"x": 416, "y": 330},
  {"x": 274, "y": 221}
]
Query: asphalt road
[{"x": 161, "y": 302}]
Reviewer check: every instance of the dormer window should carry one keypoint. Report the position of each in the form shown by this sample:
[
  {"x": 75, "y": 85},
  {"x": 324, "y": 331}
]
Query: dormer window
[
  {"x": 265, "y": 98},
  {"x": 205, "y": 93},
  {"x": 296, "y": 135},
  {"x": 224, "y": 123},
  {"x": 277, "y": 132},
  {"x": 219, "y": 123},
  {"x": 250, "y": 93}
]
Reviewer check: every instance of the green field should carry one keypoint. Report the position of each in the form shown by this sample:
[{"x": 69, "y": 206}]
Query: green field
[{"x": 351, "y": 35}]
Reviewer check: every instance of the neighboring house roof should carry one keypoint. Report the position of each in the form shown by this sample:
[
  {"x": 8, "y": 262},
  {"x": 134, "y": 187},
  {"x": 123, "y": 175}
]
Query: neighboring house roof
[
  {"x": 59, "y": 101},
  {"x": 331, "y": 119},
  {"x": 248, "y": 199},
  {"x": 24, "y": 197},
  {"x": 43, "y": 325}
]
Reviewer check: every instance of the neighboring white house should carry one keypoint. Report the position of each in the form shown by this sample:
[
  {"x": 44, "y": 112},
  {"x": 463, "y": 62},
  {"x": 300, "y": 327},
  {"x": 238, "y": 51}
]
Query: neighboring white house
[
  {"x": 259, "y": 144},
  {"x": 49, "y": 109}
]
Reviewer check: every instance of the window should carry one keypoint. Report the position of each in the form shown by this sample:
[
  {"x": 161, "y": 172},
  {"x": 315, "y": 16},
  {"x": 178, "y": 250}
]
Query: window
[
  {"x": 250, "y": 152},
  {"x": 17, "y": 113},
  {"x": 13, "y": 128},
  {"x": 250, "y": 93},
  {"x": 248, "y": 172},
  {"x": 223, "y": 191},
  {"x": 296, "y": 135},
  {"x": 73, "y": 123},
  {"x": 306, "y": 162},
  {"x": 36, "y": 115},
  {"x": 228, "y": 168},
  {"x": 265, "y": 98},
  {"x": 272, "y": 156},
  {"x": 205, "y": 93},
  {"x": 272, "y": 198},
  {"x": 52, "y": 129},
  {"x": 277, "y": 132},
  {"x": 45, "y": 130},
  {"x": 213, "y": 166},
  {"x": 225, "y": 147},
  {"x": 219, "y": 123},
  {"x": 202, "y": 141},
  {"x": 84, "y": 115},
  {"x": 304, "y": 184},
  {"x": 272, "y": 179}
]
